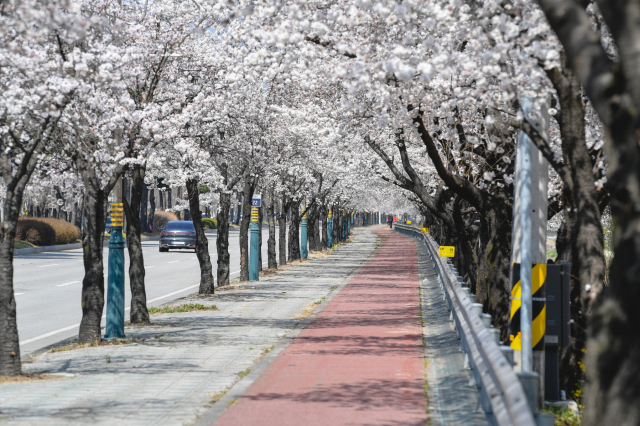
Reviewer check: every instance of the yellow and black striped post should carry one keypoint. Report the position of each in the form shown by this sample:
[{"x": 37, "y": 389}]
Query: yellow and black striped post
[{"x": 539, "y": 308}]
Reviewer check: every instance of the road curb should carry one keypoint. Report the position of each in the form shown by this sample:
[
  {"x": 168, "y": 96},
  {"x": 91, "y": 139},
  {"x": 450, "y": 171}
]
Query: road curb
[{"x": 240, "y": 387}]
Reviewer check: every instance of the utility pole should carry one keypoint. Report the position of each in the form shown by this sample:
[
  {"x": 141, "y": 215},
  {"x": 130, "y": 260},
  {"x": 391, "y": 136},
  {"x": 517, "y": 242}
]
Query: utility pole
[
  {"x": 115, "y": 279},
  {"x": 529, "y": 249}
]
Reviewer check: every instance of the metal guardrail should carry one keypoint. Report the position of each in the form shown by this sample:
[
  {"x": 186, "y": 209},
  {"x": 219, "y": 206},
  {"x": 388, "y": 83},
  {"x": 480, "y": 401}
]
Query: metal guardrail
[{"x": 502, "y": 395}]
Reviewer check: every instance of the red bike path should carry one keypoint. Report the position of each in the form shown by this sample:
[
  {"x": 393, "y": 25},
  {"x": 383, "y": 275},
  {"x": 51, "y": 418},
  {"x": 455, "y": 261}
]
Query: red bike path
[{"x": 359, "y": 362}]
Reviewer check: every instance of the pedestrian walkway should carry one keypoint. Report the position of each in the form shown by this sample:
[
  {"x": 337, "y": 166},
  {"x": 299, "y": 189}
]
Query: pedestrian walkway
[{"x": 361, "y": 360}]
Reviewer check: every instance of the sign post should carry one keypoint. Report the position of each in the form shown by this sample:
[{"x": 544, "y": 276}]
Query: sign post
[
  {"x": 254, "y": 255},
  {"x": 529, "y": 250}
]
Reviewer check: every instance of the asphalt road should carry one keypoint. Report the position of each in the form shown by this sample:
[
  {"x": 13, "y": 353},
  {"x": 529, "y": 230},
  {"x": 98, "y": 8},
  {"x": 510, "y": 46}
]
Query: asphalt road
[{"x": 48, "y": 286}]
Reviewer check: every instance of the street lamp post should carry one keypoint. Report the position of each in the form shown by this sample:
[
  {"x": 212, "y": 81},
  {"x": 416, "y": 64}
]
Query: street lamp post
[
  {"x": 329, "y": 230},
  {"x": 115, "y": 280},
  {"x": 303, "y": 235},
  {"x": 254, "y": 257}
]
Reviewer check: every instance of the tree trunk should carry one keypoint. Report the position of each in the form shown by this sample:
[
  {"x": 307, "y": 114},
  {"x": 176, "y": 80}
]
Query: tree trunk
[
  {"x": 138, "y": 313},
  {"x": 10, "y": 364},
  {"x": 337, "y": 230},
  {"x": 143, "y": 208},
  {"x": 494, "y": 265},
  {"x": 294, "y": 231},
  {"x": 325, "y": 226},
  {"x": 202, "y": 244},
  {"x": 78, "y": 217},
  {"x": 311, "y": 224},
  {"x": 222, "y": 240},
  {"x": 152, "y": 210},
  {"x": 244, "y": 230},
  {"x": 282, "y": 225},
  {"x": 271, "y": 241},
  {"x": 92, "y": 248}
]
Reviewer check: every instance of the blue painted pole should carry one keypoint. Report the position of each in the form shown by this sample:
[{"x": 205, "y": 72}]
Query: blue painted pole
[
  {"x": 329, "y": 230},
  {"x": 115, "y": 277},
  {"x": 254, "y": 258},
  {"x": 303, "y": 237}
]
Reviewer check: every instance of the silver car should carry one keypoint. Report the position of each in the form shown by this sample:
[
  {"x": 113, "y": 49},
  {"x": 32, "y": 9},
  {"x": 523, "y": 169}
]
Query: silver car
[{"x": 179, "y": 234}]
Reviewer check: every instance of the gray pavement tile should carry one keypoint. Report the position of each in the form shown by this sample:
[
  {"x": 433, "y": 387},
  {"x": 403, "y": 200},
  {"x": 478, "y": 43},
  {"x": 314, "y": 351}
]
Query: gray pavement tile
[{"x": 170, "y": 376}]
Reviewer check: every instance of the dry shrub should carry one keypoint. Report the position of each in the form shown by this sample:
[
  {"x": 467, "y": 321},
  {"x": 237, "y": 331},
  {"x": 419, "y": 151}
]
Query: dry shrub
[
  {"x": 161, "y": 218},
  {"x": 36, "y": 232},
  {"x": 47, "y": 232}
]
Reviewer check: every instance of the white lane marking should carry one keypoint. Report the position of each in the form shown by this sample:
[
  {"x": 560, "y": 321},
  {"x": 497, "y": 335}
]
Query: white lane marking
[
  {"x": 44, "y": 266},
  {"x": 71, "y": 327},
  {"x": 17, "y": 294},
  {"x": 49, "y": 334},
  {"x": 147, "y": 267},
  {"x": 62, "y": 285},
  {"x": 174, "y": 293},
  {"x": 174, "y": 261}
]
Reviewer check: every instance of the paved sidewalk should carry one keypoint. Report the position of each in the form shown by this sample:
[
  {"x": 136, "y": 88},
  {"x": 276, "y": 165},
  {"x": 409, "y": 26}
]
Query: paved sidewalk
[
  {"x": 360, "y": 362},
  {"x": 181, "y": 365}
]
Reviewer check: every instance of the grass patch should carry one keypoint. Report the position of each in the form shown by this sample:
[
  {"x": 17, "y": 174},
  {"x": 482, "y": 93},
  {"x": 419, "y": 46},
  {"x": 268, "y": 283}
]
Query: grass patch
[
  {"x": 19, "y": 244},
  {"x": 564, "y": 416},
  {"x": 233, "y": 401},
  {"x": 74, "y": 344},
  {"x": 244, "y": 373},
  {"x": 33, "y": 377},
  {"x": 190, "y": 307},
  {"x": 552, "y": 254},
  {"x": 215, "y": 397}
]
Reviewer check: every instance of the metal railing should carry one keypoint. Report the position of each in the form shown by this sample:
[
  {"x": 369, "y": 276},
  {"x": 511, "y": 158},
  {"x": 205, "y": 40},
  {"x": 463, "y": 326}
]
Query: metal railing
[{"x": 502, "y": 395}]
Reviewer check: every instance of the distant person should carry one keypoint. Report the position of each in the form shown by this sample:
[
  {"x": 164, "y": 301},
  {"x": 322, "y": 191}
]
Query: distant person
[{"x": 390, "y": 221}]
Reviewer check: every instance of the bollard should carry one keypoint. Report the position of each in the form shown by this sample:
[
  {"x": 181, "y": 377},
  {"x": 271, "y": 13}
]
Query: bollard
[
  {"x": 303, "y": 236},
  {"x": 254, "y": 258},
  {"x": 115, "y": 279}
]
